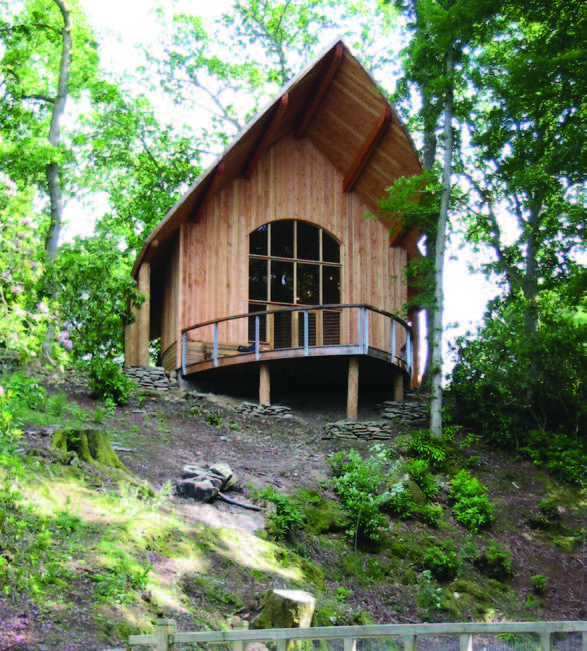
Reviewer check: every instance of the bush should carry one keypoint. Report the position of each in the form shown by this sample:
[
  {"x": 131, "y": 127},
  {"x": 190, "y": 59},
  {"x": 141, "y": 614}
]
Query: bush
[
  {"x": 108, "y": 383},
  {"x": 26, "y": 391},
  {"x": 471, "y": 507},
  {"x": 528, "y": 391},
  {"x": 495, "y": 562},
  {"x": 360, "y": 485},
  {"x": 287, "y": 517},
  {"x": 442, "y": 562},
  {"x": 419, "y": 471},
  {"x": 425, "y": 447}
]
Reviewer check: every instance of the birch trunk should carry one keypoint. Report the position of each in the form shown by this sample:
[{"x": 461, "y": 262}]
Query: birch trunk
[
  {"x": 436, "y": 334},
  {"x": 52, "y": 171}
]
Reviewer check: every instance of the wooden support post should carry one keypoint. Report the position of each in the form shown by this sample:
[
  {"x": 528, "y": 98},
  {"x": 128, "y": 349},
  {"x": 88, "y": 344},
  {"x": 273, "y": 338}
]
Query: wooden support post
[
  {"x": 352, "y": 402},
  {"x": 398, "y": 388},
  {"x": 466, "y": 642},
  {"x": 350, "y": 644},
  {"x": 130, "y": 344},
  {"x": 410, "y": 642},
  {"x": 239, "y": 645},
  {"x": 165, "y": 628},
  {"x": 143, "y": 324},
  {"x": 264, "y": 384}
]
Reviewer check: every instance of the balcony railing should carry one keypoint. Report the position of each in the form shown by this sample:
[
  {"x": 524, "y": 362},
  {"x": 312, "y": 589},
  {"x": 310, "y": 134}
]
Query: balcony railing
[{"x": 297, "y": 332}]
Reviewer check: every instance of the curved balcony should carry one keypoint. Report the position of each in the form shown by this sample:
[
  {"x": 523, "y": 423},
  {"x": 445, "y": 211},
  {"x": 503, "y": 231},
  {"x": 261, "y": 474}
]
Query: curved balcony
[{"x": 297, "y": 332}]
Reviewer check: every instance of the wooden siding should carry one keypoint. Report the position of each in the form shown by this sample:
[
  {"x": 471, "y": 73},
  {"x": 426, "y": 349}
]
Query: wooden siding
[
  {"x": 170, "y": 302},
  {"x": 293, "y": 180}
]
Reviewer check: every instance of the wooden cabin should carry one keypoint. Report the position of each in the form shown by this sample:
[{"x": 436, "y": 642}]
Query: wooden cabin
[{"x": 269, "y": 262}]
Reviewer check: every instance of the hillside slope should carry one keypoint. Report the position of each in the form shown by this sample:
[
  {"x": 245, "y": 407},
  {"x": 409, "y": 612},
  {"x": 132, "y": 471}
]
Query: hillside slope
[{"x": 86, "y": 560}]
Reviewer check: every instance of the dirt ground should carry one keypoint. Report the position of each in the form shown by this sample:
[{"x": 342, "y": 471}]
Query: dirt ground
[{"x": 156, "y": 435}]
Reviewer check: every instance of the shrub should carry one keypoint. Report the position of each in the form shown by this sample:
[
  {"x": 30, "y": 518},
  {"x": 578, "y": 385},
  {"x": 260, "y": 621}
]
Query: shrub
[
  {"x": 529, "y": 391},
  {"x": 442, "y": 562},
  {"x": 539, "y": 582},
  {"x": 108, "y": 383},
  {"x": 495, "y": 562},
  {"x": 26, "y": 391},
  {"x": 471, "y": 507},
  {"x": 424, "y": 446},
  {"x": 419, "y": 471},
  {"x": 287, "y": 517},
  {"x": 360, "y": 485}
]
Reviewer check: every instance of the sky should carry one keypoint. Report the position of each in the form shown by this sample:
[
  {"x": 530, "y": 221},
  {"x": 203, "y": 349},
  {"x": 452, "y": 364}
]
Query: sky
[{"x": 122, "y": 24}]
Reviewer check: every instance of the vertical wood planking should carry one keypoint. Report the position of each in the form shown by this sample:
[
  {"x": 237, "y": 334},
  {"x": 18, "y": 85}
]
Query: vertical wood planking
[
  {"x": 143, "y": 320},
  {"x": 293, "y": 180}
]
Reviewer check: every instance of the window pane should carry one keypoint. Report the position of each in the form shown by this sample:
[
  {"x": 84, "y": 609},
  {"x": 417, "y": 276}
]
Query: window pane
[
  {"x": 330, "y": 285},
  {"x": 258, "y": 241},
  {"x": 308, "y": 242},
  {"x": 282, "y": 239},
  {"x": 282, "y": 282},
  {"x": 257, "y": 279},
  {"x": 308, "y": 284},
  {"x": 330, "y": 248}
]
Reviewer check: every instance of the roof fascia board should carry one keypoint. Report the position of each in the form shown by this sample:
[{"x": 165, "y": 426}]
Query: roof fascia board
[
  {"x": 268, "y": 134},
  {"x": 208, "y": 193}
]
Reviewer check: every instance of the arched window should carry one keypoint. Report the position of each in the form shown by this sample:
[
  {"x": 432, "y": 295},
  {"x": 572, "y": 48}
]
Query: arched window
[{"x": 293, "y": 262}]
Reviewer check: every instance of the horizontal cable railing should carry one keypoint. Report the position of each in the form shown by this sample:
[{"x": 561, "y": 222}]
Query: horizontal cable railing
[
  {"x": 538, "y": 636},
  {"x": 356, "y": 328}
]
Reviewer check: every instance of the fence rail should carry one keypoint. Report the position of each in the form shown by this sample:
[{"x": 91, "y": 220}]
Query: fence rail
[
  {"x": 166, "y": 637},
  {"x": 299, "y": 331}
]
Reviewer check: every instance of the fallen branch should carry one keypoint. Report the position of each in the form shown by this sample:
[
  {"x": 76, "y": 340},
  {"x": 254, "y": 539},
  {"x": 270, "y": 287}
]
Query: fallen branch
[{"x": 251, "y": 507}]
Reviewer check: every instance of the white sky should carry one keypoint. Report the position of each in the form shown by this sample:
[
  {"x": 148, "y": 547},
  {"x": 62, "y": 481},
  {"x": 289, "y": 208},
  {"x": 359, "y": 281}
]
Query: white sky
[{"x": 122, "y": 24}]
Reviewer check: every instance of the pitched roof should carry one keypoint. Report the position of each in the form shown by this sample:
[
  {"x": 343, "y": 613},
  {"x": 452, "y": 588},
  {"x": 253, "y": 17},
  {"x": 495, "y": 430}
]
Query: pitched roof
[{"x": 336, "y": 104}]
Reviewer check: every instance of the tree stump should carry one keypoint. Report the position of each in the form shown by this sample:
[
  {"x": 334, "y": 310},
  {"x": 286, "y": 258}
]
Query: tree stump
[
  {"x": 285, "y": 609},
  {"x": 93, "y": 447}
]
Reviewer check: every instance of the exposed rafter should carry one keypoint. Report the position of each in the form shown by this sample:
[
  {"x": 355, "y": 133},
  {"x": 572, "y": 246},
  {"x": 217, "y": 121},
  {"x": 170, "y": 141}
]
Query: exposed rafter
[
  {"x": 320, "y": 91},
  {"x": 151, "y": 251},
  {"x": 265, "y": 140},
  {"x": 208, "y": 193},
  {"x": 366, "y": 151}
]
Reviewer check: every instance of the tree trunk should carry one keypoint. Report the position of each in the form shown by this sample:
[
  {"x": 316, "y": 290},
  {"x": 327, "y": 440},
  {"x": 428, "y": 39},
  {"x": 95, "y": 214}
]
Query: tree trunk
[
  {"x": 90, "y": 445},
  {"x": 436, "y": 334},
  {"x": 52, "y": 169}
]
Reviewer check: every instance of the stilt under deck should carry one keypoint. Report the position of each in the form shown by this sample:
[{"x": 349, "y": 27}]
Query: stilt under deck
[{"x": 322, "y": 357}]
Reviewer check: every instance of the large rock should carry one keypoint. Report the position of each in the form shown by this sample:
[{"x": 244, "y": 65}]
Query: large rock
[
  {"x": 285, "y": 609},
  {"x": 201, "y": 490}
]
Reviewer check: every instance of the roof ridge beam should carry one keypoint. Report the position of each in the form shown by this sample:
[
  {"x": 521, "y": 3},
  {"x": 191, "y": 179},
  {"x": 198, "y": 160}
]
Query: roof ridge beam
[
  {"x": 208, "y": 193},
  {"x": 265, "y": 140},
  {"x": 366, "y": 151},
  {"x": 320, "y": 91}
]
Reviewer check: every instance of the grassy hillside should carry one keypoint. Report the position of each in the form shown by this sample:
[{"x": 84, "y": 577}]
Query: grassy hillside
[{"x": 410, "y": 530}]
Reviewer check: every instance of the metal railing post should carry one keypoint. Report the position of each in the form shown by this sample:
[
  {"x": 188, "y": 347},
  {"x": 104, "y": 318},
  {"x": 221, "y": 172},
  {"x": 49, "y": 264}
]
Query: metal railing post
[
  {"x": 306, "y": 333},
  {"x": 184, "y": 352},
  {"x": 393, "y": 342},
  {"x": 409, "y": 360},
  {"x": 257, "y": 337},
  {"x": 360, "y": 330},
  {"x": 215, "y": 348},
  {"x": 366, "y": 331},
  {"x": 465, "y": 642}
]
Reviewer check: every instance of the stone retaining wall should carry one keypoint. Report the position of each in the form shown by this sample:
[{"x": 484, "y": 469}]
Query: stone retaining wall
[{"x": 155, "y": 378}]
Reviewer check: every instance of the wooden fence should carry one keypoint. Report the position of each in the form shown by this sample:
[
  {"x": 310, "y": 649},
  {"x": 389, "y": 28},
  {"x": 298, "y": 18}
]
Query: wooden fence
[{"x": 166, "y": 637}]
